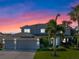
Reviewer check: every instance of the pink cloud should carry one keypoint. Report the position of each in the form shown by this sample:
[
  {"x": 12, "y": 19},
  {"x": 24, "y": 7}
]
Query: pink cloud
[{"x": 14, "y": 24}]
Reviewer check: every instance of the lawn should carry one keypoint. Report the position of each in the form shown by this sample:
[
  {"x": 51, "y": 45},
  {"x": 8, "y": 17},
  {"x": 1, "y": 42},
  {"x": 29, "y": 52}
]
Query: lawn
[{"x": 68, "y": 54}]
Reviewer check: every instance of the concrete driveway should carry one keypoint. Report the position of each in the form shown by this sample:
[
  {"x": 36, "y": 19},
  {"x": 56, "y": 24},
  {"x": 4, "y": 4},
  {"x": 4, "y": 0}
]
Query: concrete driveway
[{"x": 16, "y": 55}]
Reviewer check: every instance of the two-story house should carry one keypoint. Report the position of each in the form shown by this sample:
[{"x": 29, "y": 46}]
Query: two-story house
[{"x": 27, "y": 39}]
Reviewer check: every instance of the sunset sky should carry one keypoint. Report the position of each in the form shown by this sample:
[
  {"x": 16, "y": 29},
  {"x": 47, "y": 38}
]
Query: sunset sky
[{"x": 17, "y": 13}]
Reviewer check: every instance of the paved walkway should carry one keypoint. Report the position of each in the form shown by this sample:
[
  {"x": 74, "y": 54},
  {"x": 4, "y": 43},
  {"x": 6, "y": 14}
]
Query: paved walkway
[{"x": 16, "y": 55}]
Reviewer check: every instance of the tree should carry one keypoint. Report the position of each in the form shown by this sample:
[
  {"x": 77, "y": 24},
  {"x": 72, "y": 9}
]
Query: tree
[
  {"x": 66, "y": 23},
  {"x": 74, "y": 14},
  {"x": 52, "y": 29},
  {"x": 55, "y": 33}
]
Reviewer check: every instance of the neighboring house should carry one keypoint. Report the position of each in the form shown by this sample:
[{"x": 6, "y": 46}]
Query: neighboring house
[
  {"x": 68, "y": 34},
  {"x": 67, "y": 31}
]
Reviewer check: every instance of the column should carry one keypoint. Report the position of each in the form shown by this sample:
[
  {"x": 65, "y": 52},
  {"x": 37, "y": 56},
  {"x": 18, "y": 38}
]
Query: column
[
  {"x": 3, "y": 42},
  {"x": 15, "y": 43},
  {"x": 38, "y": 42}
]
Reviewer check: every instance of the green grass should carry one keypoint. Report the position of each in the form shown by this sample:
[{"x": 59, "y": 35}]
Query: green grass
[{"x": 69, "y": 54}]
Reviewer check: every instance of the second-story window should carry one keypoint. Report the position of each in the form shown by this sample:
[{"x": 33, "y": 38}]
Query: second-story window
[
  {"x": 42, "y": 30},
  {"x": 27, "y": 30}
]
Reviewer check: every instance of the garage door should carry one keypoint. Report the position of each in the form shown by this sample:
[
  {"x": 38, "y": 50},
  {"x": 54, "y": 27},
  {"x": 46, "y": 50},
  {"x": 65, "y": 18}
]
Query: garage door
[
  {"x": 26, "y": 45},
  {"x": 9, "y": 44}
]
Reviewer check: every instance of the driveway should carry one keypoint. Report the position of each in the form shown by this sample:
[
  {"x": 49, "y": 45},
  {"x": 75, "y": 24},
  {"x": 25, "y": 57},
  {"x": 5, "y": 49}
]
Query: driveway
[{"x": 16, "y": 55}]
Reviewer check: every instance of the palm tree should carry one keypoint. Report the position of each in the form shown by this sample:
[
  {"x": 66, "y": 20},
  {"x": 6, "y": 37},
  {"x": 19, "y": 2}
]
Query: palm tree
[
  {"x": 52, "y": 29},
  {"x": 55, "y": 33},
  {"x": 57, "y": 17},
  {"x": 74, "y": 14}
]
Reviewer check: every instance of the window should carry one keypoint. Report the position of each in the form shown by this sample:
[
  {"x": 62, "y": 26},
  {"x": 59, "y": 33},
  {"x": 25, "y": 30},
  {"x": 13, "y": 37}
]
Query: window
[
  {"x": 42, "y": 30},
  {"x": 27, "y": 30}
]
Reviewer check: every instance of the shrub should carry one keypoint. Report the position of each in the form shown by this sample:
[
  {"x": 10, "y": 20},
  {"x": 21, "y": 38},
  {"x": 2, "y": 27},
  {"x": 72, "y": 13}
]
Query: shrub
[{"x": 44, "y": 42}]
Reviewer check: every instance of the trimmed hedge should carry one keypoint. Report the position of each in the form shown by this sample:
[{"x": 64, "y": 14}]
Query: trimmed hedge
[{"x": 51, "y": 49}]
